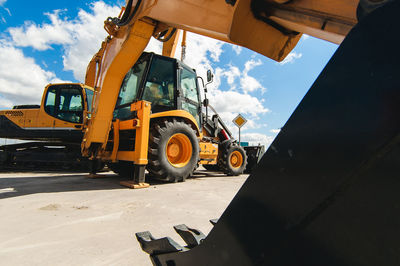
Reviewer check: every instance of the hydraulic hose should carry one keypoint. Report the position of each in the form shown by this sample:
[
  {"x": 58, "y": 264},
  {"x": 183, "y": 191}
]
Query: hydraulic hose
[
  {"x": 166, "y": 39},
  {"x": 128, "y": 15}
]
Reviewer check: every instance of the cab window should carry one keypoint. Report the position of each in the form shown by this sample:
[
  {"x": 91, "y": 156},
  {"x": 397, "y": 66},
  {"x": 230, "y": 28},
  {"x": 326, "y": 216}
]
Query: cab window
[
  {"x": 160, "y": 85},
  {"x": 190, "y": 101},
  {"x": 65, "y": 102},
  {"x": 188, "y": 85},
  {"x": 129, "y": 88},
  {"x": 70, "y": 105},
  {"x": 89, "y": 99},
  {"x": 50, "y": 101}
]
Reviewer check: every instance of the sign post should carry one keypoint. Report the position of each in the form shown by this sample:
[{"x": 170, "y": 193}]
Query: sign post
[{"x": 239, "y": 121}]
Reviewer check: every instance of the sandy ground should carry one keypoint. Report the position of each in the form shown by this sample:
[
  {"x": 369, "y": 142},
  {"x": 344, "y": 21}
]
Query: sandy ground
[{"x": 68, "y": 219}]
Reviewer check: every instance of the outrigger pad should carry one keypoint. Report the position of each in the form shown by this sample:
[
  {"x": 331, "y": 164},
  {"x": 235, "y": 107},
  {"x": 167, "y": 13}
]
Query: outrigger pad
[
  {"x": 327, "y": 190},
  {"x": 134, "y": 185}
]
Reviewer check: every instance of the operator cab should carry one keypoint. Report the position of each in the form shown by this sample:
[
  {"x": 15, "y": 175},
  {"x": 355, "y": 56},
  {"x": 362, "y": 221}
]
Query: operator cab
[
  {"x": 165, "y": 82},
  {"x": 67, "y": 102}
]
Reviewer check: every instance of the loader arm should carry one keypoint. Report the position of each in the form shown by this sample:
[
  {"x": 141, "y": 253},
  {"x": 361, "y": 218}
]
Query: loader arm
[{"x": 269, "y": 27}]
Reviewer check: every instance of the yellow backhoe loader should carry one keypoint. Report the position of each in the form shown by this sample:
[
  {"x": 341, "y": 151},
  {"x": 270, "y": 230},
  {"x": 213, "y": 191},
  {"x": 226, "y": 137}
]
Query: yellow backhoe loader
[{"x": 158, "y": 124}]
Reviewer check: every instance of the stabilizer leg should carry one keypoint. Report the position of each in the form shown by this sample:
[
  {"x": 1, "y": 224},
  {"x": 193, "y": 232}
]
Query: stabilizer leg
[{"x": 138, "y": 178}]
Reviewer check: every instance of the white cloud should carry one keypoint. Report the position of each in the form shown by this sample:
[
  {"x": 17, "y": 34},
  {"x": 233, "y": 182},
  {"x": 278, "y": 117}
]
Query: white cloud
[
  {"x": 237, "y": 49},
  {"x": 2, "y": 18},
  {"x": 230, "y": 74},
  {"x": 21, "y": 80},
  {"x": 5, "y": 103},
  {"x": 257, "y": 138},
  {"x": 249, "y": 83},
  {"x": 154, "y": 46},
  {"x": 229, "y": 104},
  {"x": 201, "y": 51},
  {"x": 249, "y": 65},
  {"x": 235, "y": 102},
  {"x": 80, "y": 37},
  {"x": 88, "y": 35},
  {"x": 41, "y": 37},
  {"x": 275, "y": 130},
  {"x": 290, "y": 58}
]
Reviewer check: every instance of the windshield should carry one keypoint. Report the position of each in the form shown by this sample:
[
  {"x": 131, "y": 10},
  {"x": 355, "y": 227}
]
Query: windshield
[
  {"x": 160, "y": 85},
  {"x": 65, "y": 102},
  {"x": 89, "y": 99},
  {"x": 129, "y": 88}
]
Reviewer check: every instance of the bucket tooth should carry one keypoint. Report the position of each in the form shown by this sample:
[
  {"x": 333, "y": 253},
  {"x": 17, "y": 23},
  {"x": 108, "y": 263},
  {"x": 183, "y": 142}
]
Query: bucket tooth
[
  {"x": 191, "y": 236},
  {"x": 214, "y": 221},
  {"x": 155, "y": 246}
]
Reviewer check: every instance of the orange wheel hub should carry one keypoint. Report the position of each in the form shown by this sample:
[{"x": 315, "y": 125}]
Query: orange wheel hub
[
  {"x": 179, "y": 150},
  {"x": 236, "y": 159}
]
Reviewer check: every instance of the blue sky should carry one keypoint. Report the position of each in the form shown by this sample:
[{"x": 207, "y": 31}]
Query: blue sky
[{"x": 52, "y": 41}]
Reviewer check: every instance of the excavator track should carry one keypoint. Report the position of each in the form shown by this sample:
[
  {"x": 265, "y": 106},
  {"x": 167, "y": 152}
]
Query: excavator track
[{"x": 43, "y": 156}]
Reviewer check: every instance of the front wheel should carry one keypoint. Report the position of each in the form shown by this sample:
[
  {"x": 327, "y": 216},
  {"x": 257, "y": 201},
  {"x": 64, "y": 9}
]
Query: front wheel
[
  {"x": 173, "y": 150},
  {"x": 233, "y": 160}
]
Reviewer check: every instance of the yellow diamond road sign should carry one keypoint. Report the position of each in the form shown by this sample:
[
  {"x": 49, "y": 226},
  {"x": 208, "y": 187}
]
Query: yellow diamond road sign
[{"x": 239, "y": 120}]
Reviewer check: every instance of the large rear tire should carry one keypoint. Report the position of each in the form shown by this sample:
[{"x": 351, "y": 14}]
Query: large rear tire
[
  {"x": 173, "y": 150},
  {"x": 233, "y": 159}
]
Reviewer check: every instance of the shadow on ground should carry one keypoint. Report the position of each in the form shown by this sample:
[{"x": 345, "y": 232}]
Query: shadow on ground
[{"x": 14, "y": 185}]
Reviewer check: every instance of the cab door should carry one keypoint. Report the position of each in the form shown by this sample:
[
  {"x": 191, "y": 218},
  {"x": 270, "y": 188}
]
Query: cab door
[
  {"x": 46, "y": 119},
  {"x": 190, "y": 95}
]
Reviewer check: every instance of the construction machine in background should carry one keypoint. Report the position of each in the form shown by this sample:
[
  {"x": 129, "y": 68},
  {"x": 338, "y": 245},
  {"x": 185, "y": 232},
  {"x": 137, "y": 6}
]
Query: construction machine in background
[{"x": 51, "y": 132}]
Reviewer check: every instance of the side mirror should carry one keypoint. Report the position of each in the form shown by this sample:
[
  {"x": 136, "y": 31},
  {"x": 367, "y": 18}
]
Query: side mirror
[
  {"x": 205, "y": 102},
  {"x": 209, "y": 76}
]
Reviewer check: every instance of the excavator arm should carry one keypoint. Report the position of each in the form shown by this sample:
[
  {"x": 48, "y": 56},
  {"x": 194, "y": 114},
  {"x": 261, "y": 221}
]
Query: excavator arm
[{"x": 269, "y": 27}]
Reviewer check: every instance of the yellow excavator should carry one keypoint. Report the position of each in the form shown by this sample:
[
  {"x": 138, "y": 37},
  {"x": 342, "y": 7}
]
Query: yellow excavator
[
  {"x": 52, "y": 131},
  {"x": 325, "y": 192}
]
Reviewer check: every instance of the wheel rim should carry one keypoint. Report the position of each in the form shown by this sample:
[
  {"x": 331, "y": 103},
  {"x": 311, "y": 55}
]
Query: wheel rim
[
  {"x": 236, "y": 159},
  {"x": 179, "y": 150}
]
